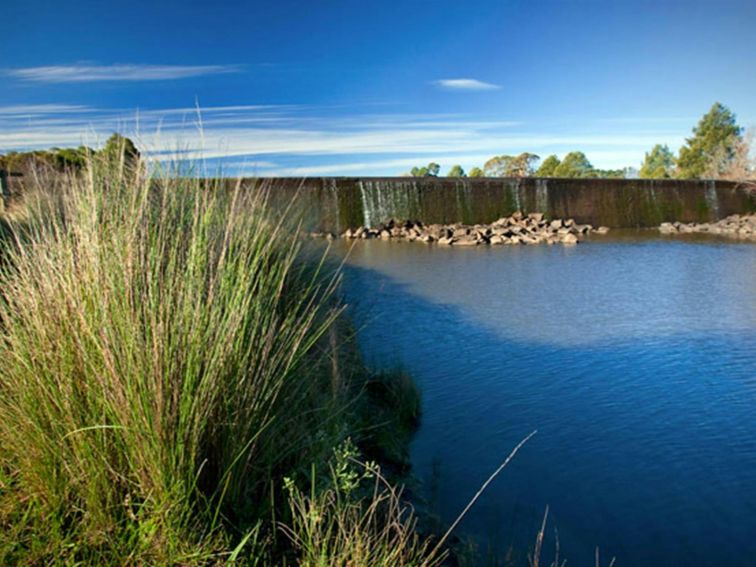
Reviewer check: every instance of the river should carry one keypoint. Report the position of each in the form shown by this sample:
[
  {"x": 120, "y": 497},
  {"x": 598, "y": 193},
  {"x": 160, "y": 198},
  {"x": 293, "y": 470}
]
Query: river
[{"x": 634, "y": 357}]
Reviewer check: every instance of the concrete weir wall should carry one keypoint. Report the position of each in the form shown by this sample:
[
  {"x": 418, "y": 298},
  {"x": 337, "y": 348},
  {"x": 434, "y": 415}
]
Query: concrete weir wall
[{"x": 335, "y": 204}]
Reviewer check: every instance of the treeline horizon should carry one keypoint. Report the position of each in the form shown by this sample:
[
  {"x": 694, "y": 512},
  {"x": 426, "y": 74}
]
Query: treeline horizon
[{"x": 718, "y": 149}]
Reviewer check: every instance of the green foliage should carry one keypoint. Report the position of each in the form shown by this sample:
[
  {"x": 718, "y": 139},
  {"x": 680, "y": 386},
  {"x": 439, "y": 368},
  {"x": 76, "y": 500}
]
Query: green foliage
[
  {"x": 158, "y": 337},
  {"x": 607, "y": 173},
  {"x": 351, "y": 521},
  {"x": 548, "y": 167},
  {"x": 476, "y": 172},
  {"x": 120, "y": 150},
  {"x": 117, "y": 148},
  {"x": 60, "y": 159},
  {"x": 712, "y": 147},
  {"x": 522, "y": 165},
  {"x": 574, "y": 164},
  {"x": 456, "y": 171},
  {"x": 659, "y": 163},
  {"x": 430, "y": 170}
]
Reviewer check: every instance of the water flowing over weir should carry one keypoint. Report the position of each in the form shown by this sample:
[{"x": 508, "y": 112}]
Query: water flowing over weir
[{"x": 337, "y": 203}]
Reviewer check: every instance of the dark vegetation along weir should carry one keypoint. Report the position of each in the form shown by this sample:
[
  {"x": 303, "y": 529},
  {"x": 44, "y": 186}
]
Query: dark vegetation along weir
[{"x": 338, "y": 203}]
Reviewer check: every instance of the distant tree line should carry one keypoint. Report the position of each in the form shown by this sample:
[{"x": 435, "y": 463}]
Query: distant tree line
[
  {"x": 718, "y": 149},
  {"x": 117, "y": 147}
]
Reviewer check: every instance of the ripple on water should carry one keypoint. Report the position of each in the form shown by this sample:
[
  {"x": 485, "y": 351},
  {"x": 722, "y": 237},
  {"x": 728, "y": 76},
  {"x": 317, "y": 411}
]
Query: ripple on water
[{"x": 635, "y": 359}]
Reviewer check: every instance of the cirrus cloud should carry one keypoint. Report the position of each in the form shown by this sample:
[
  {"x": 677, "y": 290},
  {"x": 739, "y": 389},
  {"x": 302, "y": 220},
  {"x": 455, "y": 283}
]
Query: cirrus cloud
[{"x": 120, "y": 72}]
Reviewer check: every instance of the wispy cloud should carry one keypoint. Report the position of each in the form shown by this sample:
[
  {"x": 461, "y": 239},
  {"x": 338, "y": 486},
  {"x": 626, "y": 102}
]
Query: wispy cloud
[
  {"x": 130, "y": 72},
  {"x": 296, "y": 140},
  {"x": 41, "y": 109},
  {"x": 466, "y": 85}
]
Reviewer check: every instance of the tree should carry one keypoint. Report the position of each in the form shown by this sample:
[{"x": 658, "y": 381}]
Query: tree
[
  {"x": 511, "y": 166},
  {"x": 574, "y": 164},
  {"x": 456, "y": 171},
  {"x": 524, "y": 165},
  {"x": 120, "y": 149},
  {"x": 498, "y": 166},
  {"x": 548, "y": 167},
  {"x": 430, "y": 170},
  {"x": 72, "y": 158},
  {"x": 658, "y": 163},
  {"x": 476, "y": 172},
  {"x": 607, "y": 173},
  {"x": 742, "y": 166},
  {"x": 713, "y": 145}
]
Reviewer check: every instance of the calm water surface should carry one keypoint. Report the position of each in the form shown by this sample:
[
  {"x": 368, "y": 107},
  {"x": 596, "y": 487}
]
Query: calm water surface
[{"x": 634, "y": 357}]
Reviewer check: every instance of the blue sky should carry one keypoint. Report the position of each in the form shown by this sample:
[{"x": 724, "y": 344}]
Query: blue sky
[{"x": 370, "y": 88}]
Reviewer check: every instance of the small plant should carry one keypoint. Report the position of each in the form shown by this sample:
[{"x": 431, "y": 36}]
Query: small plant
[{"x": 357, "y": 518}]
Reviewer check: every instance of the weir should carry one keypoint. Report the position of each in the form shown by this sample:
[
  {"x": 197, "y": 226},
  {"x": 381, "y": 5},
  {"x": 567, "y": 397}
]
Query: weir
[{"x": 337, "y": 203}]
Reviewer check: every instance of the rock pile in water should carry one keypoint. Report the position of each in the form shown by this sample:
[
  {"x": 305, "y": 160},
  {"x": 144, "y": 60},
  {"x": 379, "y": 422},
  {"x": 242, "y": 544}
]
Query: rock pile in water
[
  {"x": 515, "y": 229},
  {"x": 735, "y": 226}
]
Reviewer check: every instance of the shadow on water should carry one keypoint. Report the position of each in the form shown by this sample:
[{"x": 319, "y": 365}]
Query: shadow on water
[{"x": 647, "y": 442}]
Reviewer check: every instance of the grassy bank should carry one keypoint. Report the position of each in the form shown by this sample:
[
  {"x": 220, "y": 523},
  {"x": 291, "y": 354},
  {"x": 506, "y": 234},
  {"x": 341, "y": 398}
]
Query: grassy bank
[{"x": 176, "y": 389}]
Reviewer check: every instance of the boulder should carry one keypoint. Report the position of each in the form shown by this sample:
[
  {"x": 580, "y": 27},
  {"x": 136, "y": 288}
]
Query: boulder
[
  {"x": 466, "y": 241},
  {"x": 569, "y": 239}
]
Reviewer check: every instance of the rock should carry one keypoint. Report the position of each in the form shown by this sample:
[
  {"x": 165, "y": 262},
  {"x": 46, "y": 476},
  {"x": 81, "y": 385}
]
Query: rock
[
  {"x": 466, "y": 241},
  {"x": 667, "y": 228},
  {"x": 496, "y": 240},
  {"x": 446, "y": 241},
  {"x": 556, "y": 224},
  {"x": 537, "y": 217},
  {"x": 602, "y": 230},
  {"x": 569, "y": 239},
  {"x": 517, "y": 215}
]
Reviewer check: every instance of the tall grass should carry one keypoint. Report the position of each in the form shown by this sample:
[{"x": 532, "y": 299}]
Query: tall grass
[{"x": 162, "y": 370}]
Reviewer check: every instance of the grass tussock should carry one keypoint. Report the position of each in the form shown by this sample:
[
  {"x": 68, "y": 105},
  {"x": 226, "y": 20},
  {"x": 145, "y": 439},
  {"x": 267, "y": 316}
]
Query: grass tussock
[{"x": 166, "y": 363}]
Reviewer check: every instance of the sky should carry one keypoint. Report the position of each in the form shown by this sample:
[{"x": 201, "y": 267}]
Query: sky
[{"x": 372, "y": 88}]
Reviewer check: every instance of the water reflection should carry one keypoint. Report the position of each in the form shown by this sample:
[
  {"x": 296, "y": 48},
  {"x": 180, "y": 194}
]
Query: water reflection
[{"x": 635, "y": 359}]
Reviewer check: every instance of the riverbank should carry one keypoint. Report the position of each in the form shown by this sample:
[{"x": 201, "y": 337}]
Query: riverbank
[{"x": 180, "y": 386}]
